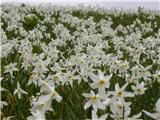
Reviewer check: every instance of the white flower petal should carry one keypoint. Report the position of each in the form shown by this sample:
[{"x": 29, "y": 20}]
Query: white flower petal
[{"x": 87, "y": 104}]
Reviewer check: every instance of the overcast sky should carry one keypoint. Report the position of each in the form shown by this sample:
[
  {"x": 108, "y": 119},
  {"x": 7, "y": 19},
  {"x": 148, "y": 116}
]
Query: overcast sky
[{"x": 150, "y": 4}]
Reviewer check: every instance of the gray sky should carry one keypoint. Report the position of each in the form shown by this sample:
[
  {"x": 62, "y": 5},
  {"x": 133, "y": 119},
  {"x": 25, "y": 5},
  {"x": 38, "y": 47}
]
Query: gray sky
[{"x": 150, "y": 4}]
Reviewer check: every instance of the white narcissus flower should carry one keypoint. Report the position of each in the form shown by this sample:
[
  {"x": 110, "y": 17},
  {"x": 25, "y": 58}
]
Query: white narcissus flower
[
  {"x": 139, "y": 89},
  {"x": 101, "y": 82},
  {"x": 141, "y": 72},
  {"x": 37, "y": 115},
  {"x": 48, "y": 81},
  {"x": 120, "y": 92},
  {"x": 94, "y": 100},
  {"x": 95, "y": 117},
  {"x": 52, "y": 94},
  {"x": 33, "y": 78},
  {"x": 26, "y": 61},
  {"x": 85, "y": 72},
  {"x": 156, "y": 115},
  {"x": 57, "y": 78},
  {"x": 19, "y": 91},
  {"x": 69, "y": 77},
  {"x": 157, "y": 75},
  {"x": 10, "y": 69},
  {"x": 121, "y": 110},
  {"x": 42, "y": 104},
  {"x": 123, "y": 66},
  {"x": 144, "y": 71},
  {"x": 41, "y": 66},
  {"x": 130, "y": 78}
]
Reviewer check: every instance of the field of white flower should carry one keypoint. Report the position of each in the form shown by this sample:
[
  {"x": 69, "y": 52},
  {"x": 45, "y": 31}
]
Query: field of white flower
[{"x": 78, "y": 63}]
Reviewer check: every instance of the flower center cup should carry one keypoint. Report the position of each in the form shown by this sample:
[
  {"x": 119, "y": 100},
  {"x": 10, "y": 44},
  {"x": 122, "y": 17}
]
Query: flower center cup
[
  {"x": 102, "y": 82},
  {"x": 42, "y": 104},
  {"x": 94, "y": 98},
  {"x": 53, "y": 94},
  {"x": 119, "y": 93}
]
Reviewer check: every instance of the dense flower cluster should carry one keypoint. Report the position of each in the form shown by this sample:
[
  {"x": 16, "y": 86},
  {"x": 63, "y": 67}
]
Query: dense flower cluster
[{"x": 83, "y": 62}]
